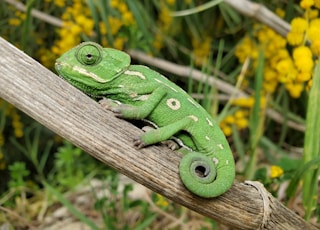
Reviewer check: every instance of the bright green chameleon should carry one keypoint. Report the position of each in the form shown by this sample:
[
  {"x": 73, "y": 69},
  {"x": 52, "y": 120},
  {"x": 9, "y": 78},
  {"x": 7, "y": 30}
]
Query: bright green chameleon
[{"x": 207, "y": 168}]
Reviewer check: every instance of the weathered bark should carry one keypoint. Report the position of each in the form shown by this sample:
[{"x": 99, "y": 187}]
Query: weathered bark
[{"x": 48, "y": 99}]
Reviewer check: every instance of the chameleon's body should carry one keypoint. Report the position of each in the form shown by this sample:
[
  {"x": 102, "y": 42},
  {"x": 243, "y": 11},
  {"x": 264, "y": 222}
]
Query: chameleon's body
[{"x": 146, "y": 94}]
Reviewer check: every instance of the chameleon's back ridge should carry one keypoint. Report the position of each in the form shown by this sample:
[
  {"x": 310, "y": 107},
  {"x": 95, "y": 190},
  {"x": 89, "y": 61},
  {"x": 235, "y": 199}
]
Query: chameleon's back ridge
[{"x": 136, "y": 92}]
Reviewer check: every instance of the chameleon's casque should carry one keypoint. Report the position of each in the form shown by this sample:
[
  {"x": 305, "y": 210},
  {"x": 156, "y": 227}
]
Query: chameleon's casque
[{"x": 207, "y": 167}]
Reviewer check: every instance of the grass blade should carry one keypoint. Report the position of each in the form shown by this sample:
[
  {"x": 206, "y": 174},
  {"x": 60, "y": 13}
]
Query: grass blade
[{"x": 312, "y": 145}]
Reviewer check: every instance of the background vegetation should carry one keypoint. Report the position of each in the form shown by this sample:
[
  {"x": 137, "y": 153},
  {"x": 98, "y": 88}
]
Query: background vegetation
[{"x": 41, "y": 173}]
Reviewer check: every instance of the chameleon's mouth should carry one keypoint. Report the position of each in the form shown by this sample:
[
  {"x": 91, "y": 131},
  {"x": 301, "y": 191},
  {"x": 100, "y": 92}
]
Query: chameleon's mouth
[{"x": 78, "y": 84}]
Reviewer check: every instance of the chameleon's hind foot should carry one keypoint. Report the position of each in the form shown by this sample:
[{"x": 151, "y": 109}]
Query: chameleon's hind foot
[{"x": 171, "y": 144}]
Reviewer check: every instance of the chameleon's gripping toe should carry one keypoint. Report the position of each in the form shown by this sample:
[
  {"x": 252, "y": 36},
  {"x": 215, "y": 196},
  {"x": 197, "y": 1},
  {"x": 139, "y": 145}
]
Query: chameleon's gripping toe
[{"x": 200, "y": 175}]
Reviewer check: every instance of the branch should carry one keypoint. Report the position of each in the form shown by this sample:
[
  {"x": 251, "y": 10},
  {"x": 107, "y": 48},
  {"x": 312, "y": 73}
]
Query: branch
[
  {"x": 260, "y": 13},
  {"x": 65, "y": 110}
]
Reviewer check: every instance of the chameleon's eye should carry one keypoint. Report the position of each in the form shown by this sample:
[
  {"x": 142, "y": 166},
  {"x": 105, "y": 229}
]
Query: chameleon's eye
[{"x": 89, "y": 54}]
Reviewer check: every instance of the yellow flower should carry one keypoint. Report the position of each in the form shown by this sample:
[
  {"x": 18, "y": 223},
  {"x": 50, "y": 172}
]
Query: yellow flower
[
  {"x": 317, "y": 3},
  {"x": 270, "y": 87},
  {"x": 313, "y": 31},
  {"x": 75, "y": 30},
  {"x": 119, "y": 43},
  {"x": 284, "y": 66},
  {"x": 242, "y": 123},
  {"x": 302, "y": 56},
  {"x": 244, "y": 102},
  {"x": 229, "y": 119},
  {"x": 309, "y": 84},
  {"x": 226, "y": 130},
  {"x": 165, "y": 18},
  {"x": 280, "y": 12},
  {"x": 127, "y": 18},
  {"x": 299, "y": 25},
  {"x": 304, "y": 64},
  {"x": 239, "y": 114},
  {"x": 102, "y": 28},
  {"x": 114, "y": 3},
  {"x": 161, "y": 201},
  {"x": 315, "y": 47},
  {"x": 247, "y": 48},
  {"x": 295, "y": 38},
  {"x": 18, "y": 133},
  {"x": 116, "y": 24},
  {"x": 201, "y": 49},
  {"x": 294, "y": 89},
  {"x": 312, "y": 14},
  {"x": 14, "y": 22},
  {"x": 275, "y": 171},
  {"x": 305, "y": 4},
  {"x": 157, "y": 43},
  {"x": 303, "y": 76},
  {"x": 269, "y": 74},
  {"x": 122, "y": 7},
  {"x": 60, "y": 3},
  {"x": 171, "y": 2}
]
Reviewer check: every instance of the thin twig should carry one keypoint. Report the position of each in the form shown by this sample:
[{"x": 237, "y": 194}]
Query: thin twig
[{"x": 260, "y": 13}]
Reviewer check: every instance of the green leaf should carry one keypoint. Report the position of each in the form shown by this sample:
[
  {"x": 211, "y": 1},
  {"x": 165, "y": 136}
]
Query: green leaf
[{"x": 312, "y": 145}]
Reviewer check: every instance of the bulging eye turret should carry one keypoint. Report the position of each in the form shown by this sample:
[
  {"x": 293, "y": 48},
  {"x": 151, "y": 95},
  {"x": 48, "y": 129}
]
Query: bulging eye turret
[{"x": 89, "y": 54}]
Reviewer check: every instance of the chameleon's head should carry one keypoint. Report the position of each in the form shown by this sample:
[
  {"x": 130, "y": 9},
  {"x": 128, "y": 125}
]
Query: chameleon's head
[{"x": 90, "y": 67}]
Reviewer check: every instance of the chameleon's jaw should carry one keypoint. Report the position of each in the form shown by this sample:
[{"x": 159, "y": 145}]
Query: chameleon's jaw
[{"x": 59, "y": 66}]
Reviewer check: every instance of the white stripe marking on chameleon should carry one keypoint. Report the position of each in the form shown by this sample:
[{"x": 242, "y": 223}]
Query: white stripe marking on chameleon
[
  {"x": 193, "y": 102},
  {"x": 194, "y": 117},
  {"x": 89, "y": 74},
  {"x": 135, "y": 73},
  {"x": 157, "y": 80},
  {"x": 208, "y": 138},
  {"x": 173, "y": 104},
  {"x": 215, "y": 160},
  {"x": 209, "y": 122},
  {"x": 220, "y": 146},
  {"x": 142, "y": 98}
]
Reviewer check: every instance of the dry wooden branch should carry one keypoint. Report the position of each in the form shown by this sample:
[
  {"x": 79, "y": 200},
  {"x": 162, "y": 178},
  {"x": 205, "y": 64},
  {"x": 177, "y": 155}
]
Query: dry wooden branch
[
  {"x": 260, "y": 13},
  {"x": 68, "y": 112}
]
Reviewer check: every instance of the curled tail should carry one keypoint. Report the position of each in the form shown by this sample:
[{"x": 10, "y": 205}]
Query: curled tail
[{"x": 206, "y": 176}]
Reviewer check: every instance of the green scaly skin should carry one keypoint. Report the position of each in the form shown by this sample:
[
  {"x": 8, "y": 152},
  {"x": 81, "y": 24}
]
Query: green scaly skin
[{"x": 207, "y": 169}]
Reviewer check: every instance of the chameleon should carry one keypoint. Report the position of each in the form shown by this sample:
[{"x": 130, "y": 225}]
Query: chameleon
[{"x": 136, "y": 92}]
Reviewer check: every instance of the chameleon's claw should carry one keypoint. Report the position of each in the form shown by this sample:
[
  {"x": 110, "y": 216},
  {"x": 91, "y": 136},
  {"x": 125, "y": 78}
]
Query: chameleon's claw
[
  {"x": 117, "y": 112},
  {"x": 171, "y": 144},
  {"x": 112, "y": 106},
  {"x": 108, "y": 104},
  {"x": 138, "y": 143}
]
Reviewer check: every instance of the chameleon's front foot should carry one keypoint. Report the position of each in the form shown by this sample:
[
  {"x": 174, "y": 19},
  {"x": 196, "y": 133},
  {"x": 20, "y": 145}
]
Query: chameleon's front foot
[
  {"x": 199, "y": 173},
  {"x": 110, "y": 105}
]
